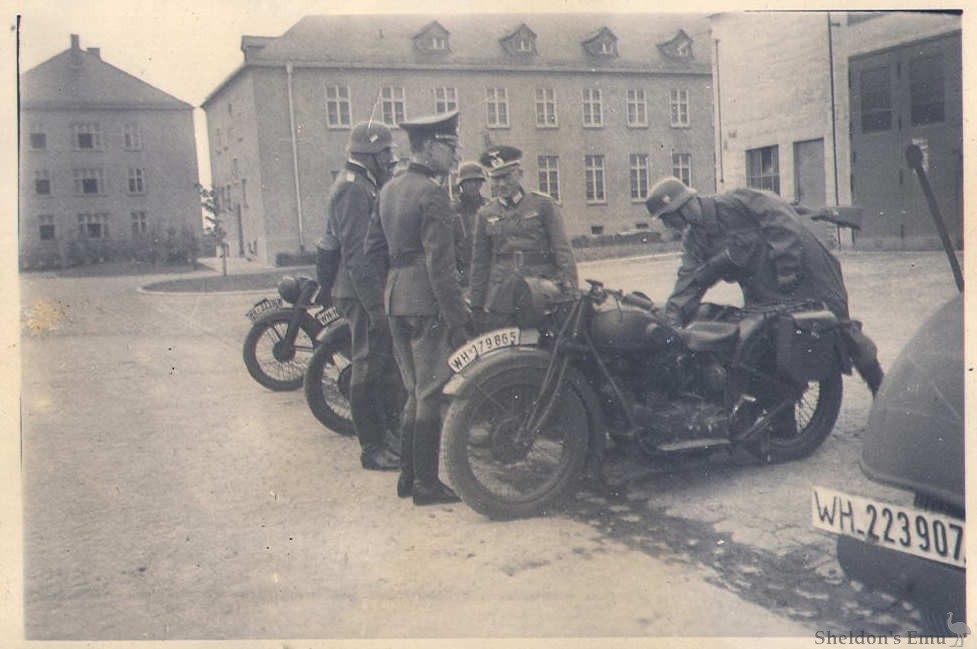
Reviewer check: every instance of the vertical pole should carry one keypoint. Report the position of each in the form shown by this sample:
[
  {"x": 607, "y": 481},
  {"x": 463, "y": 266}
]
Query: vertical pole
[{"x": 295, "y": 156}]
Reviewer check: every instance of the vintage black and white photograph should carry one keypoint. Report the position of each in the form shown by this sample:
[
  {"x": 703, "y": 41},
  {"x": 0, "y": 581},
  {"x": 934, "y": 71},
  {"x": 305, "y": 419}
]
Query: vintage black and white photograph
[{"x": 533, "y": 321}]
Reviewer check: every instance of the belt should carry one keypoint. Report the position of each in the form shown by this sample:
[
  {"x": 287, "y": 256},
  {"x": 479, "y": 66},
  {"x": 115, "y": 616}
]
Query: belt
[
  {"x": 406, "y": 260},
  {"x": 526, "y": 257}
]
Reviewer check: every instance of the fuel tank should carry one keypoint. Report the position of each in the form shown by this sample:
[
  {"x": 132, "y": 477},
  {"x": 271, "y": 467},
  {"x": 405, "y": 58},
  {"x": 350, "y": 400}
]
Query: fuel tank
[{"x": 624, "y": 327}]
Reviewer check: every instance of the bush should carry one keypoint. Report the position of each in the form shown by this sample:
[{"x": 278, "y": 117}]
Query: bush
[{"x": 591, "y": 240}]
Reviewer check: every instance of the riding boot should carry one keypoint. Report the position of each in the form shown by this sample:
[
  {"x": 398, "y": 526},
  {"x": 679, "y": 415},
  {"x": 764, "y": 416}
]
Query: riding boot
[
  {"x": 872, "y": 374},
  {"x": 370, "y": 431},
  {"x": 405, "y": 483},
  {"x": 428, "y": 489}
]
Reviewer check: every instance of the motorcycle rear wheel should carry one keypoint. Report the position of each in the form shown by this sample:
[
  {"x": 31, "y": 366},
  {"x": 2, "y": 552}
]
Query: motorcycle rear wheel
[
  {"x": 498, "y": 475},
  {"x": 327, "y": 380},
  {"x": 815, "y": 414},
  {"x": 270, "y": 359}
]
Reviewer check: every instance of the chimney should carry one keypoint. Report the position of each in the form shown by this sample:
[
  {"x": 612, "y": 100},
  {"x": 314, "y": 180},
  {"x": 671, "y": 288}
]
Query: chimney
[
  {"x": 96, "y": 52},
  {"x": 75, "y": 45}
]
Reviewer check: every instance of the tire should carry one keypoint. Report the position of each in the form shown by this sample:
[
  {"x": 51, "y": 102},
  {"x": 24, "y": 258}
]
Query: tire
[
  {"x": 327, "y": 380},
  {"x": 493, "y": 475},
  {"x": 280, "y": 369}
]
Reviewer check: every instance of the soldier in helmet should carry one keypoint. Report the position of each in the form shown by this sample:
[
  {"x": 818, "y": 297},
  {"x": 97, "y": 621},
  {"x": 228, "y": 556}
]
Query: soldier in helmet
[
  {"x": 413, "y": 234},
  {"x": 466, "y": 206},
  {"x": 517, "y": 234},
  {"x": 357, "y": 291},
  {"x": 757, "y": 240}
]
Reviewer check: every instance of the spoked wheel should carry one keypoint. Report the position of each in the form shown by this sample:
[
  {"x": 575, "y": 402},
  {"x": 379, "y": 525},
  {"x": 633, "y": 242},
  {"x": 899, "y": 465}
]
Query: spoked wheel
[
  {"x": 499, "y": 467},
  {"x": 327, "y": 381},
  {"x": 272, "y": 360}
]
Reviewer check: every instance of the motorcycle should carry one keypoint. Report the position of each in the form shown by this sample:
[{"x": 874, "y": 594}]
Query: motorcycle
[
  {"x": 282, "y": 338},
  {"x": 327, "y": 381},
  {"x": 531, "y": 405}
]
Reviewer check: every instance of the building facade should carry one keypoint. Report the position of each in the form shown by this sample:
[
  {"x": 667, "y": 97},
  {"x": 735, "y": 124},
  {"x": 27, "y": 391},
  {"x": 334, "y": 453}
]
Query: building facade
[
  {"x": 820, "y": 106},
  {"x": 600, "y": 105},
  {"x": 106, "y": 160}
]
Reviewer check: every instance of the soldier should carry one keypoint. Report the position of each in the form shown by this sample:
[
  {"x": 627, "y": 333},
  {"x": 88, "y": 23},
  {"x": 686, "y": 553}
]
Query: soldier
[
  {"x": 466, "y": 206},
  {"x": 757, "y": 240},
  {"x": 357, "y": 291},
  {"x": 517, "y": 234},
  {"x": 427, "y": 313}
]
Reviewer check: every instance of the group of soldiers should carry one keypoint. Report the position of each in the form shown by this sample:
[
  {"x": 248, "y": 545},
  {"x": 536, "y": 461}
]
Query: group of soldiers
[{"x": 417, "y": 274}]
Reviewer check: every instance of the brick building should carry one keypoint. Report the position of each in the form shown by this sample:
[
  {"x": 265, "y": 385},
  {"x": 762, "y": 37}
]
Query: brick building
[
  {"x": 600, "y": 104},
  {"x": 104, "y": 158},
  {"x": 820, "y": 106}
]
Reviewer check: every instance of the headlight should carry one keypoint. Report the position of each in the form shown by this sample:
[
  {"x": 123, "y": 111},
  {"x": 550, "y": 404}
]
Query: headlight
[{"x": 288, "y": 288}]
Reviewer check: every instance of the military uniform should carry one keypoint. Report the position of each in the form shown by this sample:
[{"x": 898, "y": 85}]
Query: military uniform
[{"x": 465, "y": 210}]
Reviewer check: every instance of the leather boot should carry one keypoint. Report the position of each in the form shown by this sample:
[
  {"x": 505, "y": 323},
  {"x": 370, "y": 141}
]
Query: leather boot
[
  {"x": 405, "y": 483},
  {"x": 427, "y": 488},
  {"x": 872, "y": 374},
  {"x": 370, "y": 431}
]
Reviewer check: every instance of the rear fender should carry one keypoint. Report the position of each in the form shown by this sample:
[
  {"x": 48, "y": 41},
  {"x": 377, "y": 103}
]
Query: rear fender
[
  {"x": 306, "y": 321},
  {"x": 336, "y": 332}
]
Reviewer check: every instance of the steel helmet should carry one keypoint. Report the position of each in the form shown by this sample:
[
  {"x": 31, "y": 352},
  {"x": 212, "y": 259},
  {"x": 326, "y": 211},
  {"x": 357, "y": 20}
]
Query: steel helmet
[
  {"x": 668, "y": 195},
  {"x": 470, "y": 171},
  {"x": 370, "y": 137}
]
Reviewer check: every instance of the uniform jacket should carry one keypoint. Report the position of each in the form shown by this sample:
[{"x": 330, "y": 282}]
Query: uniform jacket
[
  {"x": 465, "y": 233},
  {"x": 533, "y": 225},
  {"x": 414, "y": 234},
  {"x": 351, "y": 205},
  {"x": 765, "y": 248}
]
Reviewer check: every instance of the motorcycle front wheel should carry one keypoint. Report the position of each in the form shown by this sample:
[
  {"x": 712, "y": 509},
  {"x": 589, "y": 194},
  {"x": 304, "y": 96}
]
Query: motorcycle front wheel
[
  {"x": 274, "y": 362},
  {"x": 327, "y": 380},
  {"x": 501, "y": 470}
]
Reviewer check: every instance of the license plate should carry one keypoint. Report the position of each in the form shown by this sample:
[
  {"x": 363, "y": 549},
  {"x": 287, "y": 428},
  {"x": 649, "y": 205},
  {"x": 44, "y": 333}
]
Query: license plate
[
  {"x": 498, "y": 339},
  {"x": 327, "y": 316},
  {"x": 264, "y": 305},
  {"x": 919, "y": 532}
]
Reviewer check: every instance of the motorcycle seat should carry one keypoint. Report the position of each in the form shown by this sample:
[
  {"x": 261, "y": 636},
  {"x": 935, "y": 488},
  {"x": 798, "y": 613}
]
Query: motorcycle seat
[{"x": 705, "y": 336}]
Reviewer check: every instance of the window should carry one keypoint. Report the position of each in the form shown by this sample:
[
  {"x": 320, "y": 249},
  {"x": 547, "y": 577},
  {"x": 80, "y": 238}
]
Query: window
[
  {"x": 42, "y": 182},
  {"x": 597, "y": 229},
  {"x": 137, "y": 183},
  {"x": 131, "y": 137},
  {"x": 638, "y": 164},
  {"x": 46, "y": 227},
  {"x": 592, "y": 109},
  {"x": 607, "y": 47},
  {"x": 139, "y": 224},
  {"x": 682, "y": 167},
  {"x": 524, "y": 44},
  {"x": 497, "y": 105},
  {"x": 445, "y": 100},
  {"x": 876, "y": 97},
  {"x": 439, "y": 43},
  {"x": 594, "y": 178},
  {"x": 549, "y": 175},
  {"x": 763, "y": 169},
  {"x": 89, "y": 181},
  {"x": 393, "y": 106},
  {"x": 87, "y": 136},
  {"x": 545, "y": 107},
  {"x": 926, "y": 89},
  {"x": 679, "y": 101},
  {"x": 338, "y": 108},
  {"x": 637, "y": 108},
  {"x": 38, "y": 138},
  {"x": 235, "y": 170},
  {"x": 93, "y": 226},
  {"x": 230, "y": 109}
]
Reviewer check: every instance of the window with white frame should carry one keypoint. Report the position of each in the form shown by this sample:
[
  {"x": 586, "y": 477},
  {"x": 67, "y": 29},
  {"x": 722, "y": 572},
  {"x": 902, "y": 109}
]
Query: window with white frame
[
  {"x": 393, "y": 105},
  {"x": 42, "y": 182},
  {"x": 497, "y": 107},
  {"x": 682, "y": 167},
  {"x": 438, "y": 42},
  {"x": 45, "y": 225},
  {"x": 137, "y": 181},
  {"x": 445, "y": 100},
  {"x": 140, "y": 224},
  {"x": 679, "y": 103},
  {"x": 594, "y": 178},
  {"x": 37, "y": 138},
  {"x": 93, "y": 226},
  {"x": 763, "y": 168},
  {"x": 88, "y": 181},
  {"x": 338, "y": 108},
  {"x": 524, "y": 44},
  {"x": 549, "y": 175},
  {"x": 593, "y": 111},
  {"x": 131, "y": 137},
  {"x": 637, "y": 108},
  {"x": 545, "y": 108},
  {"x": 86, "y": 136},
  {"x": 638, "y": 165}
]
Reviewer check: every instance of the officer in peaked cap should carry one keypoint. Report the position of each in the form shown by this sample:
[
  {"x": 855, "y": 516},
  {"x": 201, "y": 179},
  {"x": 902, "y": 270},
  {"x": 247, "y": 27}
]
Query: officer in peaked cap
[
  {"x": 428, "y": 316},
  {"x": 467, "y": 202},
  {"x": 357, "y": 290},
  {"x": 518, "y": 234}
]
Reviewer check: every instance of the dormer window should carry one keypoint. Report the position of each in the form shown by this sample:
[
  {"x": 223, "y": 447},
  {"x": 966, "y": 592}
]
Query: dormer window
[
  {"x": 679, "y": 47},
  {"x": 603, "y": 44},
  {"x": 520, "y": 42},
  {"x": 433, "y": 38}
]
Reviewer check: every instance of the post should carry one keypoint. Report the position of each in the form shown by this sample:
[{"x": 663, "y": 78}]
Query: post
[{"x": 914, "y": 156}]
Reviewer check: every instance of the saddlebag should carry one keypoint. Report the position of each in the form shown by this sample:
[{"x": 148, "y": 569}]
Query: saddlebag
[{"x": 808, "y": 345}]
